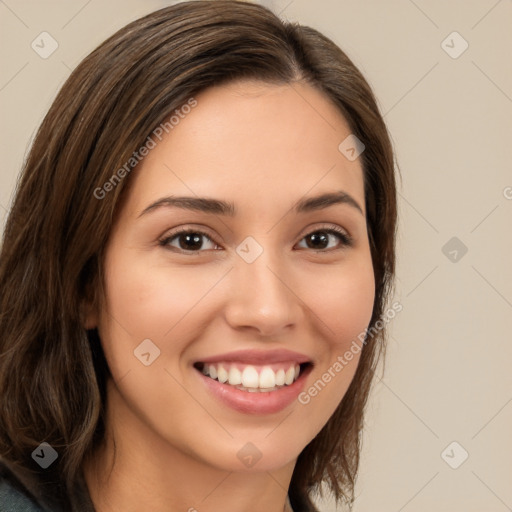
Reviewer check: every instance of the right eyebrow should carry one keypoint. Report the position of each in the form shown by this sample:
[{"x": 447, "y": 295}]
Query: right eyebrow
[{"x": 201, "y": 204}]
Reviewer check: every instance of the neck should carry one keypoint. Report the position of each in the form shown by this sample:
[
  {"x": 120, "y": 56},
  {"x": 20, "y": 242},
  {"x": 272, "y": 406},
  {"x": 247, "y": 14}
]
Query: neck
[{"x": 148, "y": 473}]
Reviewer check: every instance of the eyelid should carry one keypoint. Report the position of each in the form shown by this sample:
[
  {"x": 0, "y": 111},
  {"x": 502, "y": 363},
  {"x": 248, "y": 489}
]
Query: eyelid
[
  {"x": 326, "y": 227},
  {"x": 188, "y": 228}
]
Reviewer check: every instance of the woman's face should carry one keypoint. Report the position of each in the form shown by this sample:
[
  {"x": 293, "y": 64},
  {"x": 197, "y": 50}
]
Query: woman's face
[{"x": 263, "y": 277}]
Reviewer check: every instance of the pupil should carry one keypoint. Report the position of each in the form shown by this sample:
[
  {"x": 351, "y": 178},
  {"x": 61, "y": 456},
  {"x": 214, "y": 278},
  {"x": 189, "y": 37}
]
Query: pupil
[
  {"x": 322, "y": 237},
  {"x": 193, "y": 241}
]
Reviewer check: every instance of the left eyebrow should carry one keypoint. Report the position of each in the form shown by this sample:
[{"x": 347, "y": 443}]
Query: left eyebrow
[
  {"x": 219, "y": 207},
  {"x": 325, "y": 200}
]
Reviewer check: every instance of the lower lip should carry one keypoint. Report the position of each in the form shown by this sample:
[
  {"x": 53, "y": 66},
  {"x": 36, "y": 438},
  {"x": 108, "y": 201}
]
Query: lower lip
[{"x": 259, "y": 402}]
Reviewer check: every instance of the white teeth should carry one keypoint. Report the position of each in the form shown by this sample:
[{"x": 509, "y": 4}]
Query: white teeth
[
  {"x": 235, "y": 376},
  {"x": 222, "y": 374},
  {"x": 289, "y": 376},
  {"x": 267, "y": 378},
  {"x": 258, "y": 390},
  {"x": 250, "y": 377}
]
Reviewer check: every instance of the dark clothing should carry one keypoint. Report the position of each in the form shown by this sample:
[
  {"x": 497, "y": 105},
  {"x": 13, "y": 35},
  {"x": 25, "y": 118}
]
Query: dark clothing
[{"x": 17, "y": 494}]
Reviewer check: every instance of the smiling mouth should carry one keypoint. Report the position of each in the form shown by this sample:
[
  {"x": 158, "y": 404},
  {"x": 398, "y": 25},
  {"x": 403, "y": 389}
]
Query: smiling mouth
[{"x": 253, "y": 378}]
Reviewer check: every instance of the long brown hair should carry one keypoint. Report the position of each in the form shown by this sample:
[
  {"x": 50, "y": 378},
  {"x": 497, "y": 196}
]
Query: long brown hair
[{"x": 52, "y": 371}]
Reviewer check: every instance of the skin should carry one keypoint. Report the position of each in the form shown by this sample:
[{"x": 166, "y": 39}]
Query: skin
[{"x": 263, "y": 147}]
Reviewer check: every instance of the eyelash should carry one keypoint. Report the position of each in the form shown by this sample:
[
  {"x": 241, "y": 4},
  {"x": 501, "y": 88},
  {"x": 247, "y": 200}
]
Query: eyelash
[{"x": 346, "y": 240}]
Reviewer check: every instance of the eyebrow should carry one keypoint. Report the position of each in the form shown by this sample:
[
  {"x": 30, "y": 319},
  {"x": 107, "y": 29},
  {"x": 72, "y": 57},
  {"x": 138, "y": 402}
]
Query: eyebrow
[{"x": 219, "y": 207}]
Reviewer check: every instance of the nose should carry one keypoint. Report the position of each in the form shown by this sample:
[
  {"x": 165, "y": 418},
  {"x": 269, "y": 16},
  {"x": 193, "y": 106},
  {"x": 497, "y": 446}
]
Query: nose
[{"x": 262, "y": 296}]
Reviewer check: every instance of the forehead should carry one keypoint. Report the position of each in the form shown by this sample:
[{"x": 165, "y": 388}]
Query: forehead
[{"x": 251, "y": 143}]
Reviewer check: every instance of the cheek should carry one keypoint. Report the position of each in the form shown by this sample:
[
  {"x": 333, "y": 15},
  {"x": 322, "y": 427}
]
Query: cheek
[
  {"x": 150, "y": 301},
  {"x": 350, "y": 309},
  {"x": 343, "y": 300},
  {"x": 343, "y": 304},
  {"x": 146, "y": 301}
]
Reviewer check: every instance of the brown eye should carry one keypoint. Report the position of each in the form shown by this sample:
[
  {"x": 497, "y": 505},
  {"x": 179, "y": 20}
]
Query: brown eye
[
  {"x": 320, "y": 239},
  {"x": 193, "y": 240},
  {"x": 188, "y": 240}
]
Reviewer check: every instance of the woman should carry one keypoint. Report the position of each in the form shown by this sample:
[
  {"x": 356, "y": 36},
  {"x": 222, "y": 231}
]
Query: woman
[{"x": 194, "y": 272}]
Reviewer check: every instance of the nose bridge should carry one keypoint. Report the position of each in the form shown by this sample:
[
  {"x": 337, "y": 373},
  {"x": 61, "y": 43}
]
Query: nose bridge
[{"x": 261, "y": 296}]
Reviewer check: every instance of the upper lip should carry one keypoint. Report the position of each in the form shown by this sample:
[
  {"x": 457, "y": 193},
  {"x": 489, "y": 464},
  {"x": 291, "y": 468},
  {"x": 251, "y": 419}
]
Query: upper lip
[{"x": 258, "y": 357}]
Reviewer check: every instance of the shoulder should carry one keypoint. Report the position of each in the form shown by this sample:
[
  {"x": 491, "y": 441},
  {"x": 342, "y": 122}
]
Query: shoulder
[
  {"x": 14, "y": 498},
  {"x": 23, "y": 494}
]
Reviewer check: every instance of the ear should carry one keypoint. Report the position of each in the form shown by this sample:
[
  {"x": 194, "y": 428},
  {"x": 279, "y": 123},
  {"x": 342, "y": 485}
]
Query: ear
[
  {"x": 88, "y": 315},
  {"x": 89, "y": 301}
]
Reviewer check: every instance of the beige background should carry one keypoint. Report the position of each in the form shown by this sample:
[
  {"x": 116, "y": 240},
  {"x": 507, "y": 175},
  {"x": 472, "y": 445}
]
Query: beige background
[{"x": 448, "y": 372}]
